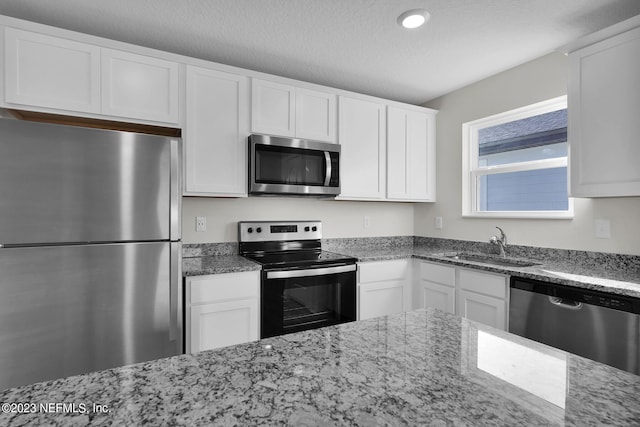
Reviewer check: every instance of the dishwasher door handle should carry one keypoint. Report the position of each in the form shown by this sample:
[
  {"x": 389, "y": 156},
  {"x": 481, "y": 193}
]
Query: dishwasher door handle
[{"x": 565, "y": 303}]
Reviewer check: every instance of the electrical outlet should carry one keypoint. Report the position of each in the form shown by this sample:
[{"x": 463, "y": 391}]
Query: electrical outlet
[
  {"x": 438, "y": 223},
  {"x": 366, "y": 221},
  {"x": 603, "y": 229},
  {"x": 201, "y": 223}
]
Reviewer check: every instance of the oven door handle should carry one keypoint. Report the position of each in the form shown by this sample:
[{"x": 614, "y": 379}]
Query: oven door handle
[
  {"x": 287, "y": 274},
  {"x": 327, "y": 159}
]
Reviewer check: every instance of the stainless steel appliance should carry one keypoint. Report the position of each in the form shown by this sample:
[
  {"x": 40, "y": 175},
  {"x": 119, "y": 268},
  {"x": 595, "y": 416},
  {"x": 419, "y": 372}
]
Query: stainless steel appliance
[
  {"x": 90, "y": 274},
  {"x": 599, "y": 326},
  {"x": 302, "y": 286},
  {"x": 293, "y": 166}
]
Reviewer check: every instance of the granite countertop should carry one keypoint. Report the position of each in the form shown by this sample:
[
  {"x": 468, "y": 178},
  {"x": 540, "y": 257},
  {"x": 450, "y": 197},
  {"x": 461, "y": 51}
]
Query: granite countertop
[
  {"x": 600, "y": 278},
  {"x": 602, "y": 272},
  {"x": 577, "y": 273},
  {"x": 217, "y": 264},
  {"x": 424, "y": 367}
]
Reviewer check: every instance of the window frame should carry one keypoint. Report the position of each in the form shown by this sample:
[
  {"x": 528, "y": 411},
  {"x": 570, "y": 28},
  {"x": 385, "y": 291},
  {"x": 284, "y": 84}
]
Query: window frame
[{"x": 471, "y": 171}]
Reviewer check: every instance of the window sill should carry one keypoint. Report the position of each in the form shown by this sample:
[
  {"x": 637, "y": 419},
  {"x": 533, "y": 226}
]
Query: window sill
[{"x": 520, "y": 215}]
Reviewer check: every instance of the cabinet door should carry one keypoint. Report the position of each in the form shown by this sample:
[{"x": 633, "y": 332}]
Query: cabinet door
[
  {"x": 223, "y": 324},
  {"x": 381, "y": 299},
  {"x": 139, "y": 87},
  {"x": 272, "y": 108},
  {"x": 604, "y": 106},
  {"x": 315, "y": 115},
  {"x": 51, "y": 72},
  {"x": 362, "y": 137},
  {"x": 410, "y": 155},
  {"x": 495, "y": 285},
  {"x": 215, "y": 138},
  {"x": 484, "y": 309},
  {"x": 437, "y": 296}
]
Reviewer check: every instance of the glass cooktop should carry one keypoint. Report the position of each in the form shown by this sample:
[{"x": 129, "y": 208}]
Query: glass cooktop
[{"x": 299, "y": 258}]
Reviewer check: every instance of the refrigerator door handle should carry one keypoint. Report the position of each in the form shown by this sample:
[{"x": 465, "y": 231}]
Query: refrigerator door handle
[
  {"x": 175, "y": 190},
  {"x": 175, "y": 297}
]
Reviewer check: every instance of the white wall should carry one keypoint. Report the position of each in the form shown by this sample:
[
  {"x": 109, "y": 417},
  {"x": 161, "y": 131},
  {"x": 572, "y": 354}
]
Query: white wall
[
  {"x": 538, "y": 80},
  {"x": 339, "y": 218}
]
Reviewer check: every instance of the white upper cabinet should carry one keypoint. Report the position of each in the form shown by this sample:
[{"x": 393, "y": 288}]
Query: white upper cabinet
[
  {"x": 362, "y": 137},
  {"x": 604, "y": 107},
  {"x": 315, "y": 115},
  {"x": 51, "y": 72},
  {"x": 284, "y": 110},
  {"x": 273, "y": 108},
  {"x": 410, "y": 155},
  {"x": 139, "y": 87},
  {"x": 215, "y": 137},
  {"x": 60, "y": 75}
]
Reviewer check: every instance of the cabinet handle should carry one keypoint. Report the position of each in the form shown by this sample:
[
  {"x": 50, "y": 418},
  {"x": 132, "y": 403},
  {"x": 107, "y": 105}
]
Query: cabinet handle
[
  {"x": 565, "y": 303},
  {"x": 286, "y": 274}
]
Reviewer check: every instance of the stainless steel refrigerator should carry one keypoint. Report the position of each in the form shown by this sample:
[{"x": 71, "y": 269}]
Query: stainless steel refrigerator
[{"x": 90, "y": 251}]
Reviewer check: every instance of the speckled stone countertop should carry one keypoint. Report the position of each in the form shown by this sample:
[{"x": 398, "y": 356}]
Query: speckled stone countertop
[
  {"x": 620, "y": 282},
  {"x": 424, "y": 367},
  {"x": 199, "y": 266},
  {"x": 585, "y": 275},
  {"x": 619, "y": 274},
  {"x": 214, "y": 258}
]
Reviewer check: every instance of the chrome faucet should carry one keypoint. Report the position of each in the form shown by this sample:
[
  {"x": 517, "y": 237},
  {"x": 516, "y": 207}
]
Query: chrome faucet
[{"x": 501, "y": 242}]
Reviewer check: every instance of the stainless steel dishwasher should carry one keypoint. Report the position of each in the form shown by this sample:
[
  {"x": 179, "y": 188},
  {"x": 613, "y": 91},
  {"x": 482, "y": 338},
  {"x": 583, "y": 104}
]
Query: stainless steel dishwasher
[{"x": 597, "y": 325}]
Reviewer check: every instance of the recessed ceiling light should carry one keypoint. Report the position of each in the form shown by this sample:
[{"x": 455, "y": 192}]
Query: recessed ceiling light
[{"x": 413, "y": 18}]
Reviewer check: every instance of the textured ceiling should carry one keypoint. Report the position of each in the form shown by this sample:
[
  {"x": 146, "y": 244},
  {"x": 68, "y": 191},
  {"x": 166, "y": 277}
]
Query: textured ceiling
[{"x": 349, "y": 44}]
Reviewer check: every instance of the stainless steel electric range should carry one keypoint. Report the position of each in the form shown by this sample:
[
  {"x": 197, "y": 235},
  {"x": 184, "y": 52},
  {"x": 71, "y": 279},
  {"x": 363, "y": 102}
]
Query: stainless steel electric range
[{"x": 302, "y": 286}]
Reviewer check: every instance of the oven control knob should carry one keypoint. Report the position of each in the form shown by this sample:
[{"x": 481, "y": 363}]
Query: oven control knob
[
  {"x": 259, "y": 229},
  {"x": 250, "y": 230},
  {"x": 314, "y": 228},
  {"x": 306, "y": 229}
]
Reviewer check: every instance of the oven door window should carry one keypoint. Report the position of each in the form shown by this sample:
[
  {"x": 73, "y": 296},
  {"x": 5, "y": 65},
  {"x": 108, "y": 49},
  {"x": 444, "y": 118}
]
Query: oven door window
[
  {"x": 291, "y": 166},
  {"x": 300, "y": 303}
]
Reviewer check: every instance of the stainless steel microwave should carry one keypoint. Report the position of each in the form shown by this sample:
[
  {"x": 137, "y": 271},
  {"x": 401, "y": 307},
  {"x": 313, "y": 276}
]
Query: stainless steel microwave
[{"x": 281, "y": 166}]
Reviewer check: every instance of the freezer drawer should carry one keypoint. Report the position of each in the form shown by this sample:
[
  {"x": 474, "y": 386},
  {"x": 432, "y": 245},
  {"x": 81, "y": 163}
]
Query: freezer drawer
[
  {"x": 61, "y": 184},
  {"x": 69, "y": 310}
]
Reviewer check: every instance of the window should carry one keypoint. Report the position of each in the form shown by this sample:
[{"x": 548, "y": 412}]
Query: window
[{"x": 515, "y": 163}]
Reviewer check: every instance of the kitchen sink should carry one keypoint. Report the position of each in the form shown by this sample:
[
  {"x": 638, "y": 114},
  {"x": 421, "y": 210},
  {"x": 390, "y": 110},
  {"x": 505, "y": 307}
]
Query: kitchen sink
[{"x": 492, "y": 259}]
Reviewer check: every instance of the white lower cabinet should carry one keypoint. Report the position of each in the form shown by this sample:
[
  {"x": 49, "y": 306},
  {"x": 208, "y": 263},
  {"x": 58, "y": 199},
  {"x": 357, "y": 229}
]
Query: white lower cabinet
[
  {"x": 483, "y": 309},
  {"x": 476, "y": 295},
  {"x": 383, "y": 288},
  {"x": 222, "y": 310},
  {"x": 483, "y": 297},
  {"x": 436, "y": 287}
]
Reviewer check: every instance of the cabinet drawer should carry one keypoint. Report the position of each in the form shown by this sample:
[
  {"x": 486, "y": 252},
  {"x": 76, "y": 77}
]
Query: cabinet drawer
[
  {"x": 223, "y": 287},
  {"x": 488, "y": 284},
  {"x": 383, "y": 270},
  {"x": 442, "y": 274}
]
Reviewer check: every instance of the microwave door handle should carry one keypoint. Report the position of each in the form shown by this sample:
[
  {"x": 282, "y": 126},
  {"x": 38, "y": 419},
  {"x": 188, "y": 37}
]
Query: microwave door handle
[{"x": 327, "y": 159}]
